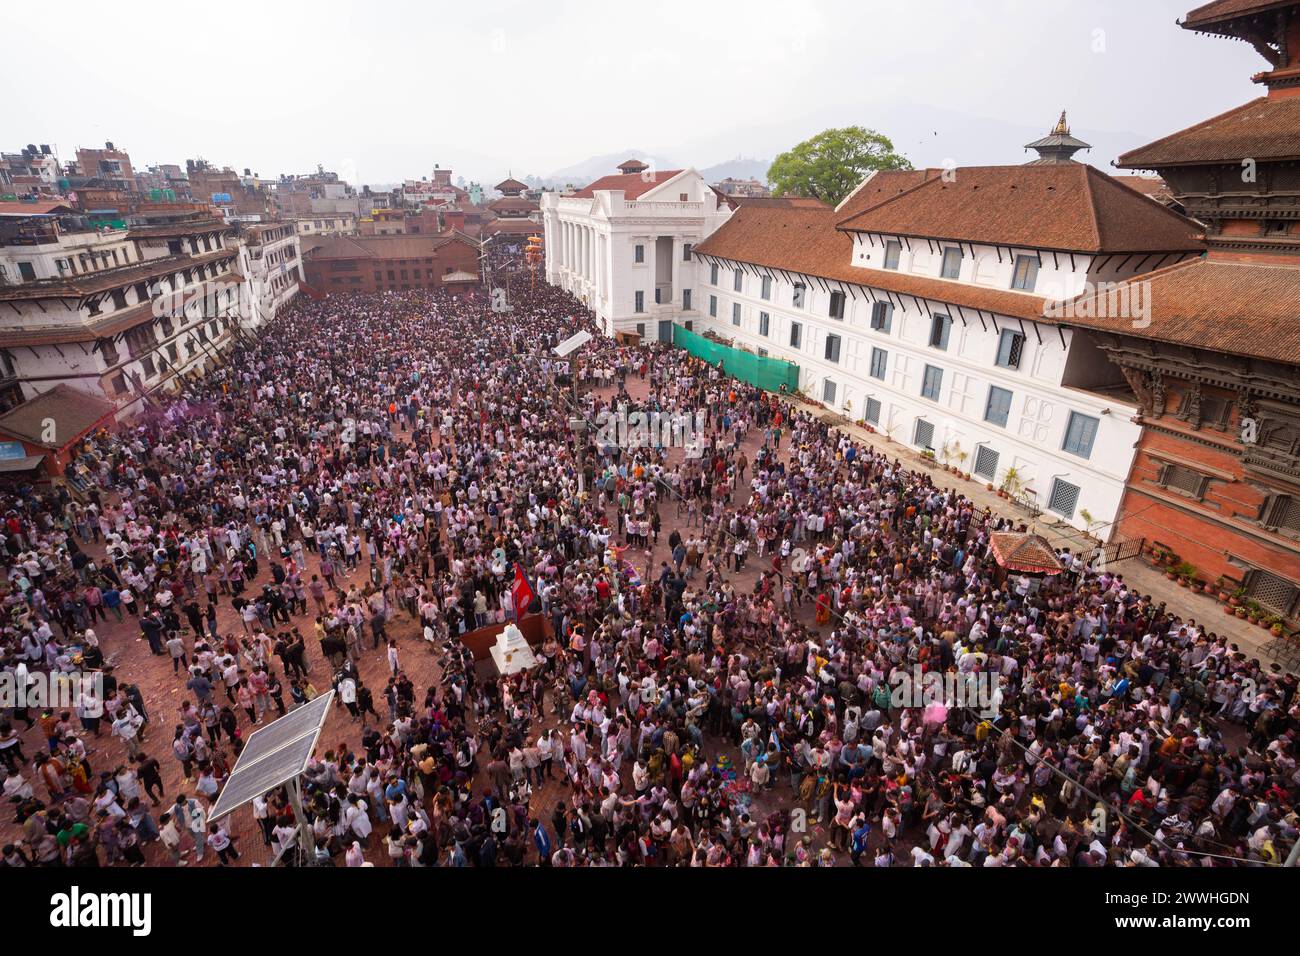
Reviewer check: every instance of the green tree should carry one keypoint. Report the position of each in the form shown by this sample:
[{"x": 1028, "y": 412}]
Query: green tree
[{"x": 831, "y": 164}]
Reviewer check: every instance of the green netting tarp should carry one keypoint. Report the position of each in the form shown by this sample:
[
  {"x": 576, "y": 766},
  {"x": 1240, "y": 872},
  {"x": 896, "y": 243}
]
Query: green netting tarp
[{"x": 766, "y": 373}]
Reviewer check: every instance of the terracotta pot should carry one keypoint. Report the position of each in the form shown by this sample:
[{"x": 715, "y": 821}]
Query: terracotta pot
[
  {"x": 1276, "y": 630},
  {"x": 1223, "y": 596},
  {"x": 1170, "y": 575},
  {"x": 1241, "y": 612},
  {"x": 1228, "y": 609},
  {"x": 1234, "y": 600},
  {"x": 988, "y": 486},
  {"x": 1252, "y": 619}
]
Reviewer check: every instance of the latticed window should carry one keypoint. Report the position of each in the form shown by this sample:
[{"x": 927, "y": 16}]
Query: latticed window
[
  {"x": 986, "y": 462},
  {"x": 873, "y": 411},
  {"x": 1284, "y": 514},
  {"x": 1272, "y": 591},
  {"x": 924, "y": 437},
  {"x": 1064, "y": 498},
  {"x": 1185, "y": 480}
]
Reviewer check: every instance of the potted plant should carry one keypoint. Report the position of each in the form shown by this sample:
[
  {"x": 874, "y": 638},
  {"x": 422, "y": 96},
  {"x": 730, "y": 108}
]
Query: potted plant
[
  {"x": 1241, "y": 612},
  {"x": 1222, "y": 586},
  {"x": 1275, "y": 627},
  {"x": 961, "y": 463},
  {"x": 1010, "y": 482},
  {"x": 1236, "y": 597}
]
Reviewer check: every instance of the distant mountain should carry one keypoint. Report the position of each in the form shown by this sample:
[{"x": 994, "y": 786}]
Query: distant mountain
[
  {"x": 596, "y": 166},
  {"x": 738, "y": 168}
]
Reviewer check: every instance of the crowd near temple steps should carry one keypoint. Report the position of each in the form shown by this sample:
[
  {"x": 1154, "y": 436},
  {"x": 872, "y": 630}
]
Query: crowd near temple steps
[{"x": 953, "y": 521}]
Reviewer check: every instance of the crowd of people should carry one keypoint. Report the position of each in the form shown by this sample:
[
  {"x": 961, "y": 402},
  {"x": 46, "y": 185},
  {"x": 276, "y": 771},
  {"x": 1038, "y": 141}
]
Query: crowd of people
[{"x": 732, "y": 630}]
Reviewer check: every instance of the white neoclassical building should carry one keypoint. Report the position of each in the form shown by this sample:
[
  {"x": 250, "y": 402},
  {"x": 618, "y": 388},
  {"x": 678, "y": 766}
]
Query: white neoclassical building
[
  {"x": 926, "y": 307},
  {"x": 623, "y": 246}
]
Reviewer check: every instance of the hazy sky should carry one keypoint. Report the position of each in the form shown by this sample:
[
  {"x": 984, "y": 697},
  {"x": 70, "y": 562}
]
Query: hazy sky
[{"x": 382, "y": 90}]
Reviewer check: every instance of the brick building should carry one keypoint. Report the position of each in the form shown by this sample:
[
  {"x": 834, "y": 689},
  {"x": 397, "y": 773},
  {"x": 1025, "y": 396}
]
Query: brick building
[
  {"x": 379, "y": 263},
  {"x": 111, "y": 166},
  {"x": 1215, "y": 366}
]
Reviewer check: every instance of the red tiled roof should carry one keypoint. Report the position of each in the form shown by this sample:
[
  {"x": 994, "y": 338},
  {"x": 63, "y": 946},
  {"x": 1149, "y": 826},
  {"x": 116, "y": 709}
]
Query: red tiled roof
[
  {"x": 74, "y": 412},
  {"x": 515, "y": 226},
  {"x": 1146, "y": 185},
  {"x": 171, "y": 230},
  {"x": 632, "y": 184},
  {"x": 1221, "y": 10},
  {"x": 881, "y": 185},
  {"x": 1243, "y": 308},
  {"x": 1264, "y": 128},
  {"x": 513, "y": 204},
  {"x": 508, "y": 184},
  {"x": 805, "y": 241},
  {"x": 1066, "y": 208},
  {"x": 1018, "y": 551},
  {"x": 19, "y": 209},
  {"x": 778, "y": 202},
  {"x": 67, "y": 287},
  {"x": 66, "y": 333}
]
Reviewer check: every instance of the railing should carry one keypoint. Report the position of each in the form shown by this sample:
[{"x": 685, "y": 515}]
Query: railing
[
  {"x": 656, "y": 207},
  {"x": 1026, "y": 499}
]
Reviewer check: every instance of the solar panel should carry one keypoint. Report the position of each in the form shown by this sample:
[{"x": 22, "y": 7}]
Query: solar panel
[
  {"x": 280, "y": 731},
  {"x": 273, "y": 755},
  {"x": 571, "y": 343}
]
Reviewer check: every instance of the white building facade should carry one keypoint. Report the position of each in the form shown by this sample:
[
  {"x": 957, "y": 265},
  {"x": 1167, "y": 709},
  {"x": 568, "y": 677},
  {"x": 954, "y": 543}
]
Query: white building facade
[
  {"x": 122, "y": 332},
  {"x": 623, "y": 245},
  {"x": 271, "y": 263},
  {"x": 946, "y": 345}
]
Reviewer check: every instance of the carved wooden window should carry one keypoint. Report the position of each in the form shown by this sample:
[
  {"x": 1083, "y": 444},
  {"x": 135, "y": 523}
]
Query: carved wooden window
[
  {"x": 1184, "y": 480},
  {"x": 1282, "y": 513},
  {"x": 1271, "y": 590}
]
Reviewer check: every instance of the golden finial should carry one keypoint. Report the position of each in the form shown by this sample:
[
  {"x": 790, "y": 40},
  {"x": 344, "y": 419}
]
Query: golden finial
[{"x": 1062, "y": 128}]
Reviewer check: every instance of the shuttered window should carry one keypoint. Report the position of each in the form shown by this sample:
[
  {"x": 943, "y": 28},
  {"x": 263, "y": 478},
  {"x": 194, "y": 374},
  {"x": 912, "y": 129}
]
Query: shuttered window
[
  {"x": 882, "y": 316},
  {"x": 1080, "y": 433},
  {"x": 998, "y": 408},
  {"x": 879, "y": 360}
]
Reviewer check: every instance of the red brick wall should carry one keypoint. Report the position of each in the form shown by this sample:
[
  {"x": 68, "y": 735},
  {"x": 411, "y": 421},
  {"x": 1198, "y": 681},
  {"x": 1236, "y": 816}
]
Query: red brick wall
[
  {"x": 1215, "y": 533},
  {"x": 452, "y": 257}
]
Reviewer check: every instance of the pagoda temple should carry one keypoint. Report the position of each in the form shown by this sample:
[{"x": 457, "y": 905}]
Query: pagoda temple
[{"x": 1214, "y": 361}]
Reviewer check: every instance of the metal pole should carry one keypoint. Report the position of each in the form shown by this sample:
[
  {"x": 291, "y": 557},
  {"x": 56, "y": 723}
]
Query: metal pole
[{"x": 306, "y": 836}]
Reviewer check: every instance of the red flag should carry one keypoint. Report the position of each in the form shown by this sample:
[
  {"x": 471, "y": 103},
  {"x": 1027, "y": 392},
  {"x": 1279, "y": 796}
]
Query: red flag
[{"x": 521, "y": 593}]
